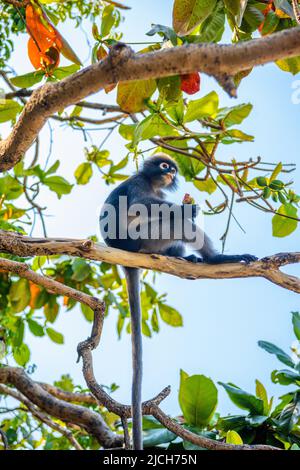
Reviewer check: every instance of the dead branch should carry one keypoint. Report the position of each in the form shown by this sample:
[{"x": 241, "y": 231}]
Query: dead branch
[{"x": 268, "y": 267}]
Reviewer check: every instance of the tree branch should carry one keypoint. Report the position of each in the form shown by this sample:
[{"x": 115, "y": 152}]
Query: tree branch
[
  {"x": 40, "y": 415},
  {"x": 69, "y": 413},
  {"x": 268, "y": 267},
  {"x": 150, "y": 407},
  {"x": 123, "y": 65}
]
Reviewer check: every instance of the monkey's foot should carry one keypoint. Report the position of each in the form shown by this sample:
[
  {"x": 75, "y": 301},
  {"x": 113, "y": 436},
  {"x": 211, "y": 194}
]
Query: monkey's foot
[
  {"x": 219, "y": 259},
  {"x": 192, "y": 259}
]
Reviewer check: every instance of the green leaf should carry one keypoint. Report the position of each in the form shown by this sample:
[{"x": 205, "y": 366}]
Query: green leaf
[
  {"x": 108, "y": 20},
  {"x": 51, "y": 310},
  {"x": 145, "y": 329},
  {"x": 290, "y": 415},
  {"x": 279, "y": 353},
  {"x": 155, "y": 437},
  {"x": 213, "y": 27},
  {"x": 276, "y": 171},
  {"x": 296, "y": 324},
  {"x": 81, "y": 270},
  {"x": 9, "y": 110},
  {"x": 65, "y": 383},
  {"x": 35, "y": 328},
  {"x": 28, "y": 80},
  {"x": 170, "y": 316},
  {"x": 270, "y": 23},
  {"x": 253, "y": 17},
  {"x": 198, "y": 398},
  {"x": 99, "y": 157},
  {"x": 132, "y": 96},
  {"x": 19, "y": 334},
  {"x": 55, "y": 336},
  {"x": 262, "y": 394},
  {"x": 58, "y": 184},
  {"x": 232, "y": 437},
  {"x": 19, "y": 294},
  {"x": 234, "y": 115},
  {"x": 189, "y": 14},
  {"x": 127, "y": 131},
  {"x": 285, "y": 377},
  {"x": 291, "y": 65},
  {"x": 204, "y": 107},
  {"x": 256, "y": 420},
  {"x": 233, "y": 6},
  {"x": 283, "y": 226},
  {"x": 154, "y": 322},
  {"x": 152, "y": 126},
  {"x": 83, "y": 173},
  {"x": 63, "y": 72},
  {"x": 163, "y": 31},
  {"x": 227, "y": 423},
  {"x": 10, "y": 187},
  {"x": 208, "y": 186},
  {"x": 169, "y": 88},
  {"x": 87, "y": 312},
  {"x": 21, "y": 355},
  {"x": 235, "y": 135},
  {"x": 53, "y": 168},
  {"x": 244, "y": 400}
]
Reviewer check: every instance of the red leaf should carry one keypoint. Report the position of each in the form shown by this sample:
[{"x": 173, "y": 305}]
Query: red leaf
[{"x": 190, "y": 83}]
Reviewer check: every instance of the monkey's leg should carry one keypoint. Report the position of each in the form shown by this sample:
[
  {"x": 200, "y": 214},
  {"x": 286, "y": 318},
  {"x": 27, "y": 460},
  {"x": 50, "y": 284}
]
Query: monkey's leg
[{"x": 190, "y": 234}]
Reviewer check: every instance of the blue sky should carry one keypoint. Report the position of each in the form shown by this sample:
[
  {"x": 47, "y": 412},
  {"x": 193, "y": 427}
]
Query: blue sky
[{"x": 223, "y": 319}]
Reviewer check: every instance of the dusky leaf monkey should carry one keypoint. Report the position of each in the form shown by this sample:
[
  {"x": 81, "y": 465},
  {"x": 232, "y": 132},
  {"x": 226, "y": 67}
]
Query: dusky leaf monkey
[{"x": 145, "y": 190}]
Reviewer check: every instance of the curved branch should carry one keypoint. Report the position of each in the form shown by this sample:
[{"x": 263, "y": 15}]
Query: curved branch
[
  {"x": 150, "y": 407},
  {"x": 123, "y": 65},
  {"x": 267, "y": 268}
]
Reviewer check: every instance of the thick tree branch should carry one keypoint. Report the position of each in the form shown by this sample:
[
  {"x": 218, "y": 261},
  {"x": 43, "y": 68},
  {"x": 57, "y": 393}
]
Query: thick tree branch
[
  {"x": 69, "y": 413},
  {"x": 4, "y": 390},
  {"x": 123, "y": 65},
  {"x": 267, "y": 268}
]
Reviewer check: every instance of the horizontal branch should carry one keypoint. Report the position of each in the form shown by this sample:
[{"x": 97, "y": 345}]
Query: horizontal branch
[
  {"x": 123, "y": 65},
  {"x": 268, "y": 267}
]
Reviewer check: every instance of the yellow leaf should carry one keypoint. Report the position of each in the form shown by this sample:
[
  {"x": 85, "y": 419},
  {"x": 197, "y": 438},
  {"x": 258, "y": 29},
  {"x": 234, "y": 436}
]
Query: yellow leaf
[
  {"x": 232, "y": 437},
  {"x": 131, "y": 96}
]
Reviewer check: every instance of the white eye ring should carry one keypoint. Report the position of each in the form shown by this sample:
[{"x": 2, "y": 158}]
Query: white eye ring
[{"x": 164, "y": 166}]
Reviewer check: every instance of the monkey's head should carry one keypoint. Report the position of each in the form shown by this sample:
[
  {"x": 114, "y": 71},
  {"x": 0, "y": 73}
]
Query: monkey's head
[{"x": 161, "y": 170}]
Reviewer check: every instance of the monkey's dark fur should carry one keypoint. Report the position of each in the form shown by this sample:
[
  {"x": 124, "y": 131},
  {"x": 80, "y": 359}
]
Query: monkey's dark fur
[{"x": 145, "y": 187}]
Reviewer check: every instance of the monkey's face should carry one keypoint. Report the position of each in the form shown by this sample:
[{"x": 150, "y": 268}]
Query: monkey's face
[{"x": 162, "y": 171}]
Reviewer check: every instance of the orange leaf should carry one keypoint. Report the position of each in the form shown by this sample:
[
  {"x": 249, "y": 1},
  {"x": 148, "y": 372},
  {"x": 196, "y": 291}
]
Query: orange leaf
[
  {"x": 45, "y": 43},
  {"x": 34, "y": 292}
]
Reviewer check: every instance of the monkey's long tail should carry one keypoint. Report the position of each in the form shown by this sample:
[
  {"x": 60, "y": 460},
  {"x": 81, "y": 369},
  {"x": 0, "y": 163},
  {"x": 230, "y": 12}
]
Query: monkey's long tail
[{"x": 133, "y": 288}]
